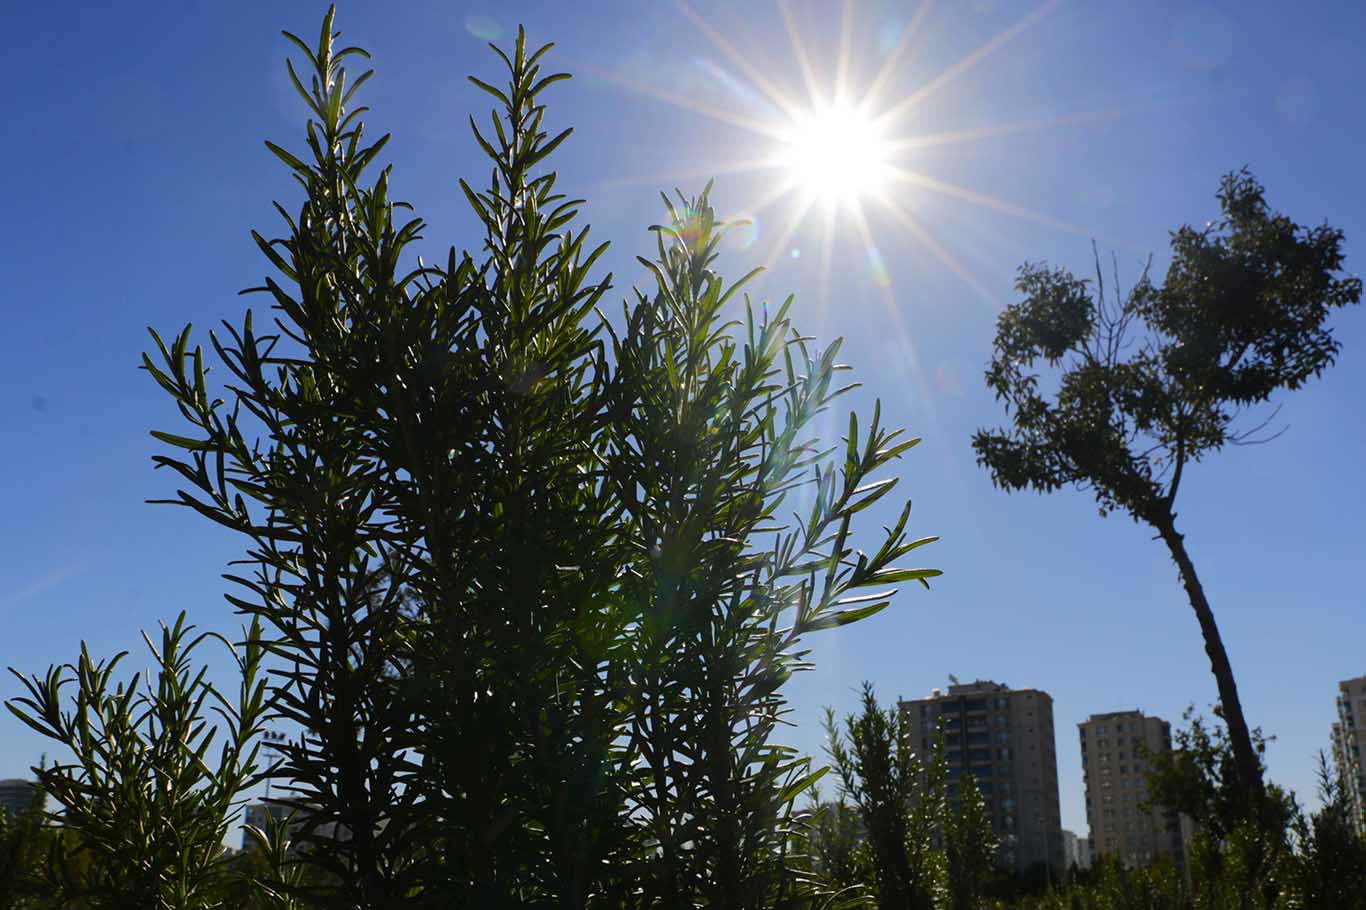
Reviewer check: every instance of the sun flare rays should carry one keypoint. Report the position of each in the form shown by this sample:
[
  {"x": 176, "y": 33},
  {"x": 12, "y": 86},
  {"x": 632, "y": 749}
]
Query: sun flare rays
[{"x": 837, "y": 142}]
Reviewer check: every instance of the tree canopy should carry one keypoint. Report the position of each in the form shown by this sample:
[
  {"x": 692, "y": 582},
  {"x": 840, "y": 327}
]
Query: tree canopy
[{"x": 1146, "y": 383}]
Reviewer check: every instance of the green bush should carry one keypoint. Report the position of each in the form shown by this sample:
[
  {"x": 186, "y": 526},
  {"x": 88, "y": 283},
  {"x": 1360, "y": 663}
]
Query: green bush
[{"x": 530, "y": 580}]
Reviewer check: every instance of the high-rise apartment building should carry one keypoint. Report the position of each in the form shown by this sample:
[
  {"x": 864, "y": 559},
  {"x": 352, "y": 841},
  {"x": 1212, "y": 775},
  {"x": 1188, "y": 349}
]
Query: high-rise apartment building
[
  {"x": 259, "y": 815},
  {"x": 16, "y": 795},
  {"x": 1071, "y": 853},
  {"x": 1115, "y": 754},
  {"x": 1349, "y": 744},
  {"x": 1003, "y": 737}
]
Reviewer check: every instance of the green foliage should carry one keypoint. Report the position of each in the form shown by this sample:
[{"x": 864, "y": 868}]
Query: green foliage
[
  {"x": 24, "y": 842},
  {"x": 529, "y": 575},
  {"x": 1330, "y": 873},
  {"x": 1110, "y": 886},
  {"x": 1198, "y": 779},
  {"x": 969, "y": 846},
  {"x": 1233, "y": 861},
  {"x": 719, "y": 435},
  {"x": 1152, "y": 381},
  {"x": 923, "y": 841},
  {"x": 143, "y": 814},
  {"x": 270, "y": 876},
  {"x": 901, "y": 799},
  {"x": 830, "y": 847},
  {"x": 1155, "y": 379}
]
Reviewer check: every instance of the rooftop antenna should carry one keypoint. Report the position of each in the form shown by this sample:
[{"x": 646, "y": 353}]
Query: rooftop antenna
[{"x": 954, "y": 680}]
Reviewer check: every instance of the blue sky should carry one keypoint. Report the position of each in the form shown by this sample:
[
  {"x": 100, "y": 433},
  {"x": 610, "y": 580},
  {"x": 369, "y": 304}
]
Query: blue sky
[{"x": 134, "y": 170}]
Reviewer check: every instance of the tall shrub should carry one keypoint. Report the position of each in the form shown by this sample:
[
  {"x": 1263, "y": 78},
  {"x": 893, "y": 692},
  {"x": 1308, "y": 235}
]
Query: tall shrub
[{"x": 534, "y": 579}]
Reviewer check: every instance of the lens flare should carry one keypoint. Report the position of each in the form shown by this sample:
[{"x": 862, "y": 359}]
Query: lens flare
[
  {"x": 481, "y": 26},
  {"x": 877, "y": 269},
  {"x": 745, "y": 231}
]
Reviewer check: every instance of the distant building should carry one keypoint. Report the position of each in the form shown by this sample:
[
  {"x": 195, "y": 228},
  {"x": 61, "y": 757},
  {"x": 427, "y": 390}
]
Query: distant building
[
  {"x": 1003, "y": 737},
  {"x": 1076, "y": 850},
  {"x": 1085, "y": 855},
  {"x": 258, "y": 815},
  {"x": 16, "y": 795},
  {"x": 1349, "y": 744},
  {"x": 1071, "y": 857},
  {"x": 1115, "y": 750}
]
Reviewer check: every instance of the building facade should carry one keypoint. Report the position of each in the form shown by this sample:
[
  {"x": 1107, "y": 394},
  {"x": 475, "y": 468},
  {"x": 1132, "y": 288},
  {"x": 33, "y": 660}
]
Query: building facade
[
  {"x": 1004, "y": 738},
  {"x": 16, "y": 795},
  {"x": 259, "y": 815},
  {"x": 1349, "y": 745},
  {"x": 1071, "y": 854},
  {"x": 1115, "y": 756},
  {"x": 1084, "y": 854}
]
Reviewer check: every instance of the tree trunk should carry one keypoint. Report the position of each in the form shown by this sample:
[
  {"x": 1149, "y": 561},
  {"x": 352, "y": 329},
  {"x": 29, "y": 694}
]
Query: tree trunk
[{"x": 1244, "y": 755}]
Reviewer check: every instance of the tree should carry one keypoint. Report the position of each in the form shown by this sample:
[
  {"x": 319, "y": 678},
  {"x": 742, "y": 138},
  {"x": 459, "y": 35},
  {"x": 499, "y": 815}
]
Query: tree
[
  {"x": 1152, "y": 381},
  {"x": 901, "y": 798},
  {"x": 1198, "y": 778},
  {"x": 969, "y": 845},
  {"x": 527, "y": 572},
  {"x": 1330, "y": 870}
]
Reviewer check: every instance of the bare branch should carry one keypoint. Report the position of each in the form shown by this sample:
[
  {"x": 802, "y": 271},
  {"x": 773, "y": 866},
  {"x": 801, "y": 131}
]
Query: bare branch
[{"x": 1249, "y": 437}]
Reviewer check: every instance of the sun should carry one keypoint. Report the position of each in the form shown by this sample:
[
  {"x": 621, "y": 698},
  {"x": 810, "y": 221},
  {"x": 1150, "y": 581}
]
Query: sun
[
  {"x": 843, "y": 145},
  {"x": 836, "y": 154}
]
